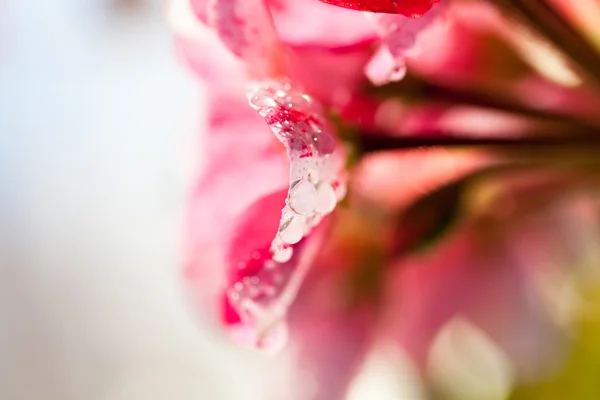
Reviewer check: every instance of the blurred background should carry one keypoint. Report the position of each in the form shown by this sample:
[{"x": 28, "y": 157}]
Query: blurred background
[
  {"x": 96, "y": 145},
  {"x": 97, "y": 151}
]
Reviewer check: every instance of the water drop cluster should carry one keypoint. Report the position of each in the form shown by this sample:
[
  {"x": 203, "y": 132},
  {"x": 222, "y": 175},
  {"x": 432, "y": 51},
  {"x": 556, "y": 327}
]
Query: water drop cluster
[{"x": 262, "y": 299}]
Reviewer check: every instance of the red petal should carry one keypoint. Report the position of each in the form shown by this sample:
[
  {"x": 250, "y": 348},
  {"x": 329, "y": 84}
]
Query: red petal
[
  {"x": 252, "y": 236},
  {"x": 410, "y": 8}
]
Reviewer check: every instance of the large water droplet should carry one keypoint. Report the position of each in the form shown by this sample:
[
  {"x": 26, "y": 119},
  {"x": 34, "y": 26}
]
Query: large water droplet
[
  {"x": 313, "y": 176},
  {"x": 303, "y": 197},
  {"x": 262, "y": 101},
  {"x": 326, "y": 199},
  {"x": 292, "y": 230},
  {"x": 298, "y": 102},
  {"x": 324, "y": 143}
]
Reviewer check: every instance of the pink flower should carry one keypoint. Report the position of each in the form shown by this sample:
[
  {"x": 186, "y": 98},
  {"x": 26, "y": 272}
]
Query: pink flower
[{"x": 266, "y": 245}]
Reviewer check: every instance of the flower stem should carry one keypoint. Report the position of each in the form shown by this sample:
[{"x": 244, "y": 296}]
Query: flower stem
[
  {"x": 414, "y": 86},
  {"x": 369, "y": 143},
  {"x": 547, "y": 22}
]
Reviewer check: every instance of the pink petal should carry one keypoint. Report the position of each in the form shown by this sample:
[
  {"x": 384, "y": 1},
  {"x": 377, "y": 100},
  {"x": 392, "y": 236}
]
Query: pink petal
[
  {"x": 200, "y": 8},
  {"x": 332, "y": 74},
  {"x": 489, "y": 276},
  {"x": 272, "y": 271},
  {"x": 310, "y": 23},
  {"x": 243, "y": 157},
  {"x": 330, "y": 334},
  {"x": 414, "y": 173},
  {"x": 246, "y": 28}
]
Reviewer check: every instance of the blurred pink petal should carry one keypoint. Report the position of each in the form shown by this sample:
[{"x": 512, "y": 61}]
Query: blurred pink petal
[
  {"x": 200, "y": 8},
  {"x": 333, "y": 74},
  {"x": 246, "y": 28},
  {"x": 330, "y": 341},
  {"x": 310, "y": 23},
  {"x": 395, "y": 179},
  {"x": 488, "y": 274},
  {"x": 332, "y": 329}
]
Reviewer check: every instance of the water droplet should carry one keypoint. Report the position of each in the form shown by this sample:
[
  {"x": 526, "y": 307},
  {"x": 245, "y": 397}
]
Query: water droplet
[
  {"x": 326, "y": 199},
  {"x": 324, "y": 143},
  {"x": 313, "y": 176},
  {"x": 292, "y": 230},
  {"x": 303, "y": 197},
  {"x": 298, "y": 102},
  {"x": 283, "y": 255},
  {"x": 262, "y": 101}
]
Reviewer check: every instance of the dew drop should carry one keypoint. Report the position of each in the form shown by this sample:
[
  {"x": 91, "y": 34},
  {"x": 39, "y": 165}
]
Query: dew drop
[
  {"x": 262, "y": 101},
  {"x": 324, "y": 143},
  {"x": 313, "y": 176},
  {"x": 326, "y": 199},
  {"x": 283, "y": 255},
  {"x": 298, "y": 102},
  {"x": 303, "y": 197},
  {"x": 292, "y": 230}
]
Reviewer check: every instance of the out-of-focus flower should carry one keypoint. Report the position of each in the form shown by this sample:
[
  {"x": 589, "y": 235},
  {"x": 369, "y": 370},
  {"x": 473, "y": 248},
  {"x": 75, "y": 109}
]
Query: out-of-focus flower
[{"x": 424, "y": 234}]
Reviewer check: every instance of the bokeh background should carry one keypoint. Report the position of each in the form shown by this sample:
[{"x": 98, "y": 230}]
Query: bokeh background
[{"x": 96, "y": 152}]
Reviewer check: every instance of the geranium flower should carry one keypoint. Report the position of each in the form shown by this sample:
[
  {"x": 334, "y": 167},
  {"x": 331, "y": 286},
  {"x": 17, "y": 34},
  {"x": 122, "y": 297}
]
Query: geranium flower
[{"x": 270, "y": 248}]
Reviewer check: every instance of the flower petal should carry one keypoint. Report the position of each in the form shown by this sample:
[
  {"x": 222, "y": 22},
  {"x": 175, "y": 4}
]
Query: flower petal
[
  {"x": 216, "y": 204},
  {"x": 415, "y": 173},
  {"x": 310, "y": 23},
  {"x": 488, "y": 273},
  {"x": 246, "y": 28},
  {"x": 409, "y": 8},
  {"x": 330, "y": 335}
]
